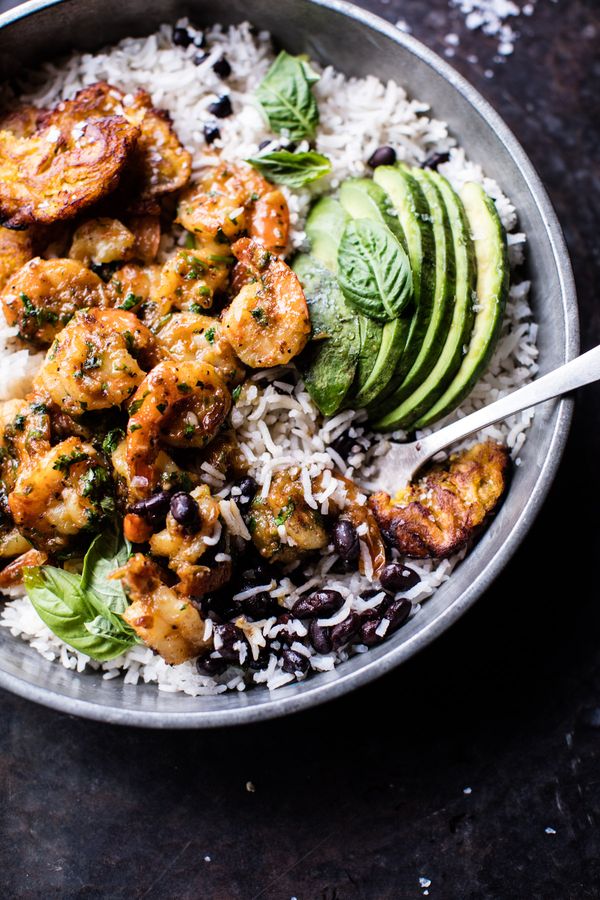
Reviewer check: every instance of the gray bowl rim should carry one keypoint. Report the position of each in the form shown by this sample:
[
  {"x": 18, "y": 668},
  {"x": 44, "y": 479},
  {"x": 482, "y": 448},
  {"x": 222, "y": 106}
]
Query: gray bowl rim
[{"x": 317, "y": 693}]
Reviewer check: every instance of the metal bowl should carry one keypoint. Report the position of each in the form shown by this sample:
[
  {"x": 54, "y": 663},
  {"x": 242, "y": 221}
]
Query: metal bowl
[{"x": 357, "y": 43}]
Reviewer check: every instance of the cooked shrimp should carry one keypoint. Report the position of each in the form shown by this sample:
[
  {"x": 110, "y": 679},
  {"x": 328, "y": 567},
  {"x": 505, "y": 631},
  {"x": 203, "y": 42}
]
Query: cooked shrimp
[
  {"x": 180, "y": 404},
  {"x": 65, "y": 490},
  {"x": 92, "y": 364},
  {"x": 16, "y": 248},
  {"x": 45, "y": 294},
  {"x": 24, "y": 435},
  {"x": 190, "y": 278},
  {"x": 232, "y": 199},
  {"x": 184, "y": 547},
  {"x": 134, "y": 285},
  {"x": 189, "y": 336},
  {"x": 267, "y": 323},
  {"x": 285, "y": 505},
  {"x": 101, "y": 241},
  {"x": 163, "y": 619}
]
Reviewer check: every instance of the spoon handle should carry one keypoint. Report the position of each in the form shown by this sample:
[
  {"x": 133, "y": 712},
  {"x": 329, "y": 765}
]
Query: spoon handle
[{"x": 582, "y": 370}]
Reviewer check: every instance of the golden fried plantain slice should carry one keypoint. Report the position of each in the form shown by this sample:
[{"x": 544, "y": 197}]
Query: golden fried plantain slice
[
  {"x": 58, "y": 171},
  {"x": 441, "y": 513},
  {"x": 160, "y": 162}
]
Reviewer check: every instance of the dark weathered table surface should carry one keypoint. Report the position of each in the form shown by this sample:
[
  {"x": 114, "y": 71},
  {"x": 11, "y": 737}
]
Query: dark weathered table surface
[{"x": 364, "y": 797}]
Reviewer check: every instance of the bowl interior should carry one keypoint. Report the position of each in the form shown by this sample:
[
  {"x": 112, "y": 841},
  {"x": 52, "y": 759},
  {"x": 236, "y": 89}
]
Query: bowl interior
[{"x": 357, "y": 44}]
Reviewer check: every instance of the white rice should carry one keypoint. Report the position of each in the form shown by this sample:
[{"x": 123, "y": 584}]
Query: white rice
[{"x": 277, "y": 424}]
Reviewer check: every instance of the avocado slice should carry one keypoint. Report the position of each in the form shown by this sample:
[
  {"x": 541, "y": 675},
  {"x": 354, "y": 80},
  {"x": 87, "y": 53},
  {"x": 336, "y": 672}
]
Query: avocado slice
[
  {"x": 328, "y": 364},
  {"x": 324, "y": 227},
  {"x": 461, "y": 251},
  {"x": 423, "y": 214},
  {"x": 363, "y": 199},
  {"x": 413, "y": 214},
  {"x": 493, "y": 277}
]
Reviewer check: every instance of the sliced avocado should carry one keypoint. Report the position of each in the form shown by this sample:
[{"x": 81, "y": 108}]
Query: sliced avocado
[
  {"x": 492, "y": 291},
  {"x": 463, "y": 255},
  {"x": 329, "y": 362},
  {"x": 363, "y": 199},
  {"x": 324, "y": 227},
  {"x": 413, "y": 214}
]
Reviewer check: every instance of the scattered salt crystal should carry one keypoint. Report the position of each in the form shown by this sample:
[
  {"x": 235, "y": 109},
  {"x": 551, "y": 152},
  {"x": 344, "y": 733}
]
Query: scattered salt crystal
[
  {"x": 467, "y": 790},
  {"x": 490, "y": 16},
  {"x": 425, "y": 882},
  {"x": 207, "y": 859},
  {"x": 550, "y": 830},
  {"x": 250, "y": 787},
  {"x": 452, "y": 39}
]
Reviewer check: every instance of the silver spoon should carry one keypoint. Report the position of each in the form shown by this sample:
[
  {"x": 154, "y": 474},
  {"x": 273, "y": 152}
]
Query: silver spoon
[{"x": 402, "y": 461}]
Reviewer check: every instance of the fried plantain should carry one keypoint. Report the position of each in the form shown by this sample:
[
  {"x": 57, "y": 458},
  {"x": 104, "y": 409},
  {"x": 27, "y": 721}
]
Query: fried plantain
[
  {"x": 57, "y": 171},
  {"x": 443, "y": 511},
  {"x": 160, "y": 164}
]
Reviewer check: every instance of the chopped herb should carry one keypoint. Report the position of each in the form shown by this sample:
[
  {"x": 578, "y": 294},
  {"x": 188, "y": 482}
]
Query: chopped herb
[
  {"x": 189, "y": 241},
  {"x": 183, "y": 388},
  {"x": 40, "y": 315},
  {"x": 19, "y": 422},
  {"x": 210, "y": 335},
  {"x": 189, "y": 431},
  {"x": 94, "y": 481},
  {"x": 118, "y": 285},
  {"x": 196, "y": 308},
  {"x": 130, "y": 301},
  {"x": 134, "y": 427},
  {"x": 161, "y": 407},
  {"x": 66, "y": 460},
  {"x": 236, "y": 393},
  {"x": 221, "y": 259},
  {"x": 204, "y": 290},
  {"x": 260, "y": 315},
  {"x": 112, "y": 440},
  {"x": 129, "y": 342},
  {"x": 137, "y": 404},
  {"x": 285, "y": 513}
]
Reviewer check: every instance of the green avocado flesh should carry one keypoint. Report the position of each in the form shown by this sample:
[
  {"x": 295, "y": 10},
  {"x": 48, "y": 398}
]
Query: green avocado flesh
[
  {"x": 363, "y": 199},
  {"x": 491, "y": 255},
  {"x": 437, "y": 279},
  {"x": 450, "y": 350},
  {"x": 328, "y": 364},
  {"x": 414, "y": 216}
]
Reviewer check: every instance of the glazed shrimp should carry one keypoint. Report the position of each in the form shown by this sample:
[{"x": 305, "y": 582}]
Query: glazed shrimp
[
  {"x": 42, "y": 297},
  {"x": 232, "y": 199},
  {"x": 189, "y": 336},
  {"x": 92, "y": 364},
  {"x": 65, "y": 490},
  {"x": 180, "y": 404},
  {"x": 267, "y": 323}
]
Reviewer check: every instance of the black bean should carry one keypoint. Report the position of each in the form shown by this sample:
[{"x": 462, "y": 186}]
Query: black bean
[
  {"x": 221, "y": 108},
  {"x": 261, "y": 661},
  {"x": 396, "y": 577},
  {"x": 397, "y": 613},
  {"x": 342, "y": 633},
  {"x": 184, "y": 510},
  {"x": 260, "y": 606},
  {"x": 211, "y": 133},
  {"x": 221, "y": 604},
  {"x": 198, "y": 58},
  {"x": 222, "y": 68},
  {"x": 435, "y": 160},
  {"x": 320, "y": 637},
  {"x": 210, "y": 665},
  {"x": 248, "y": 487},
  {"x": 321, "y": 604},
  {"x": 154, "y": 509},
  {"x": 368, "y": 628},
  {"x": 368, "y": 595},
  {"x": 181, "y": 37},
  {"x": 383, "y": 156},
  {"x": 345, "y": 540},
  {"x": 229, "y": 635},
  {"x": 294, "y": 662}
]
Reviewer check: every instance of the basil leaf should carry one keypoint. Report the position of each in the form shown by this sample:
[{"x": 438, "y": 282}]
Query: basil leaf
[
  {"x": 83, "y": 610},
  {"x": 373, "y": 270},
  {"x": 106, "y": 553},
  {"x": 286, "y": 97},
  {"x": 293, "y": 169},
  {"x": 59, "y": 602}
]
